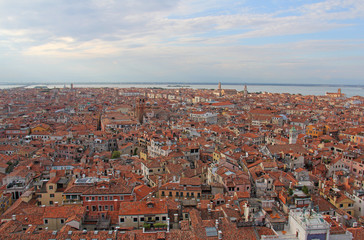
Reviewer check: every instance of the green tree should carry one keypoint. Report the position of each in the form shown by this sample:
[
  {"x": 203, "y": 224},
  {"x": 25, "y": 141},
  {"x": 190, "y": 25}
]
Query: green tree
[
  {"x": 135, "y": 151},
  {"x": 290, "y": 191},
  {"x": 146, "y": 226},
  {"x": 115, "y": 154},
  {"x": 305, "y": 189}
]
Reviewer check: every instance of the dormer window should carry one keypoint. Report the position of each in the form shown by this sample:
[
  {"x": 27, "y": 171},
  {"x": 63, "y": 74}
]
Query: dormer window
[{"x": 150, "y": 204}]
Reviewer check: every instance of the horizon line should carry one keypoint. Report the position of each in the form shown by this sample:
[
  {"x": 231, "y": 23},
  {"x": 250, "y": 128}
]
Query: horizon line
[{"x": 187, "y": 83}]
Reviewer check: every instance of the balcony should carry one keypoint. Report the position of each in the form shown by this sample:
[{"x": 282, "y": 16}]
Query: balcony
[
  {"x": 72, "y": 201},
  {"x": 91, "y": 218},
  {"x": 155, "y": 227}
]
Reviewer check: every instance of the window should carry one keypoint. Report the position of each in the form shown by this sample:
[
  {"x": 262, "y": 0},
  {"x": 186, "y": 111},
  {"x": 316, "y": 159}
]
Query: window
[
  {"x": 135, "y": 219},
  {"x": 142, "y": 219},
  {"x": 106, "y": 208},
  {"x": 111, "y": 208},
  {"x": 170, "y": 194},
  {"x": 52, "y": 196},
  {"x": 100, "y": 198},
  {"x": 181, "y": 194},
  {"x": 45, "y": 221},
  {"x": 87, "y": 208},
  {"x": 94, "y": 208},
  {"x": 87, "y": 198},
  {"x": 106, "y": 198},
  {"x": 100, "y": 208},
  {"x": 198, "y": 195},
  {"x": 111, "y": 198},
  {"x": 341, "y": 205},
  {"x": 50, "y": 202},
  {"x": 93, "y": 198},
  {"x": 157, "y": 218},
  {"x": 122, "y": 220},
  {"x": 163, "y": 193},
  {"x": 62, "y": 221},
  {"x": 164, "y": 218},
  {"x": 50, "y": 187},
  {"x": 176, "y": 194}
]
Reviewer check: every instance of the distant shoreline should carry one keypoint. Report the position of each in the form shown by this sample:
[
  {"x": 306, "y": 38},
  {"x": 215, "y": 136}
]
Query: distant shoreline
[{"x": 176, "y": 84}]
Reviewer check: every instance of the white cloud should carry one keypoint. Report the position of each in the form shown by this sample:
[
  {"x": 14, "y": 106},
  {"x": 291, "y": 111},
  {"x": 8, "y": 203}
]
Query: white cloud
[{"x": 188, "y": 35}]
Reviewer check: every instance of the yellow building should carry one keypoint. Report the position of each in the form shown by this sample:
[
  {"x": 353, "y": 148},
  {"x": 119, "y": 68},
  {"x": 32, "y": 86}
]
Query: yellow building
[
  {"x": 49, "y": 193},
  {"x": 358, "y": 139},
  {"x": 41, "y": 128},
  {"x": 315, "y": 131},
  {"x": 56, "y": 217},
  {"x": 341, "y": 201},
  {"x": 5, "y": 201},
  {"x": 143, "y": 155},
  {"x": 138, "y": 214},
  {"x": 186, "y": 188},
  {"x": 216, "y": 156}
]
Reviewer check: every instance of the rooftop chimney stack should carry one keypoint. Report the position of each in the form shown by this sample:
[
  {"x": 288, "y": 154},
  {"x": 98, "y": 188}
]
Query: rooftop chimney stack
[{"x": 219, "y": 234}]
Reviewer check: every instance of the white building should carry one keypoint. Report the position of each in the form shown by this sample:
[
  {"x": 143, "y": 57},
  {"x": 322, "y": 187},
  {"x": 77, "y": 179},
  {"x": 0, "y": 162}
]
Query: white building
[
  {"x": 306, "y": 224},
  {"x": 358, "y": 197},
  {"x": 204, "y": 117},
  {"x": 156, "y": 149}
]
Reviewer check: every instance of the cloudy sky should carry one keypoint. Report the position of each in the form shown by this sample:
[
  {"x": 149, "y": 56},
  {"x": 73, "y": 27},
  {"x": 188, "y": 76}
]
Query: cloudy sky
[{"x": 270, "y": 41}]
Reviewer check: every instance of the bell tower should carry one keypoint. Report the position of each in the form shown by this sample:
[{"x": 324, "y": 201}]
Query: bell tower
[
  {"x": 245, "y": 92},
  {"x": 293, "y": 136},
  {"x": 139, "y": 109}
]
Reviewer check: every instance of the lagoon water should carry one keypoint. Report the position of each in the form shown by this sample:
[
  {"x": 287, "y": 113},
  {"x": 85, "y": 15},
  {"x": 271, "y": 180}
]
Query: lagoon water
[{"x": 292, "y": 89}]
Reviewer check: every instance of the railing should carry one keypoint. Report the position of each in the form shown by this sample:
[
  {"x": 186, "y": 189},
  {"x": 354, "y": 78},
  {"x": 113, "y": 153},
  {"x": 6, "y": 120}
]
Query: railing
[
  {"x": 72, "y": 201},
  {"x": 153, "y": 230},
  {"x": 90, "y": 218},
  {"x": 302, "y": 221},
  {"x": 274, "y": 237}
]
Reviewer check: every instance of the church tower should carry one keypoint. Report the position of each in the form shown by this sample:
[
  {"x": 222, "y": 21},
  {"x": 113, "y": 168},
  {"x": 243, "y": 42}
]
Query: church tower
[
  {"x": 293, "y": 136},
  {"x": 98, "y": 126},
  {"x": 219, "y": 90},
  {"x": 139, "y": 109},
  {"x": 245, "y": 92}
]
